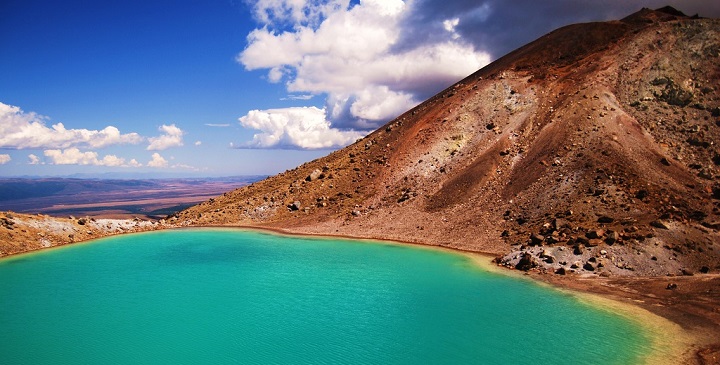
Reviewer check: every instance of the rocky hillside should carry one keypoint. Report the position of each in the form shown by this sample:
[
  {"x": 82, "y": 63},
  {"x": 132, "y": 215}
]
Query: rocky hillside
[{"x": 591, "y": 149}]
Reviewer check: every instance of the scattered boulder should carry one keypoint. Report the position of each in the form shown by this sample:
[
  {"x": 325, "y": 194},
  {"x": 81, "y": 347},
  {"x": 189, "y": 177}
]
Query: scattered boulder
[
  {"x": 7, "y": 223},
  {"x": 589, "y": 266},
  {"x": 675, "y": 94},
  {"x": 553, "y": 238},
  {"x": 605, "y": 219},
  {"x": 559, "y": 223},
  {"x": 547, "y": 257},
  {"x": 671, "y": 286},
  {"x": 527, "y": 262},
  {"x": 611, "y": 237},
  {"x": 704, "y": 269},
  {"x": 659, "y": 224},
  {"x": 295, "y": 206},
  {"x": 316, "y": 174},
  {"x": 578, "y": 249},
  {"x": 560, "y": 271},
  {"x": 594, "y": 242},
  {"x": 536, "y": 239},
  {"x": 595, "y": 233},
  {"x": 404, "y": 195}
]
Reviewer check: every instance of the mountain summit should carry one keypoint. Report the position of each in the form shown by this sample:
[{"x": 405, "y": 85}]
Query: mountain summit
[{"x": 591, "y": 149}]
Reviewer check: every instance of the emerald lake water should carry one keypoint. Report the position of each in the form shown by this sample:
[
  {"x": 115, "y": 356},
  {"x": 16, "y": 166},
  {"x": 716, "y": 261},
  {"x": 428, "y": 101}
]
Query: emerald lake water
[{"x": 212, "y": 296}]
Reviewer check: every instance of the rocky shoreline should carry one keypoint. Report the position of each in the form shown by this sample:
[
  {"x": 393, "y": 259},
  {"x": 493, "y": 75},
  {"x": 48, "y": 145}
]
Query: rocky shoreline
[
  {"x": 20, "y": 233},
  {"x": 619, "y": 250}
]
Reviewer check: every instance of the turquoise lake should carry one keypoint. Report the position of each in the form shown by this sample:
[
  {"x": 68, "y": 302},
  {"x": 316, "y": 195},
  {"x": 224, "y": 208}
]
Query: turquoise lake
[{"x": 222, "y": 296}]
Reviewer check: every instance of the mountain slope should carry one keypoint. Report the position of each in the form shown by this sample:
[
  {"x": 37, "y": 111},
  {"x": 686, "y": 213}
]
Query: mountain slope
[{"x": 595, "y": 138}]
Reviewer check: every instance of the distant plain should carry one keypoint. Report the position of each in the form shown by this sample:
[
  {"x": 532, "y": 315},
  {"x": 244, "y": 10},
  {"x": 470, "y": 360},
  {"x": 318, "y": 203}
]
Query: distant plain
[{"x": 112, "y": 198}]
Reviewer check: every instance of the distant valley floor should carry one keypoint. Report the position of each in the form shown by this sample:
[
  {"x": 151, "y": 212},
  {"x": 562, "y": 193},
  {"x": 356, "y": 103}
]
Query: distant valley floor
[{"x": 116, "y": 198}]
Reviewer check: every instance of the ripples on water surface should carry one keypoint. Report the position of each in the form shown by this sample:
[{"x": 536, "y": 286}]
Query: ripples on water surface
[{"x": 226, "y": 296}]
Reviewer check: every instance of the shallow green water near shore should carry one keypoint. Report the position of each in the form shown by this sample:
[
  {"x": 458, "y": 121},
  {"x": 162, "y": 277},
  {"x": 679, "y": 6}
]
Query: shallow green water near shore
[{"x": 241, "y": 297}]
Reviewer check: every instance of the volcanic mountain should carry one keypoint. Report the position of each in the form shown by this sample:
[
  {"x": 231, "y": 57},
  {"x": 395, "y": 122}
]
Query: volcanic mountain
[{"x": 591, "y": 149}]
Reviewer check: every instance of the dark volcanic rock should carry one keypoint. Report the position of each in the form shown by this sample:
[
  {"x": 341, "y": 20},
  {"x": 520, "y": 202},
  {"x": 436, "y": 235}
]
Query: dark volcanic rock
[
  {"x": 559, "y": 223},
  {"x": 527, "y": 262},
  {"x": 536, "y": 239},
  {"x": 659, "y": 224},
  {"x": 611, "y": 237},
  {"x": 595, "y": 233},
  {"x": 578, "y": 250}
]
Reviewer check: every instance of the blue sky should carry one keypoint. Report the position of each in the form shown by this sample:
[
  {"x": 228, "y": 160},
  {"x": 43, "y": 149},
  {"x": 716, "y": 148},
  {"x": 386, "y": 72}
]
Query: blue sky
[{"x": 221, "y": 87}]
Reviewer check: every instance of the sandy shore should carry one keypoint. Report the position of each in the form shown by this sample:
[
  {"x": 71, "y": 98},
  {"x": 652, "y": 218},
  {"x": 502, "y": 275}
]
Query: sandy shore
[
  {"x": 677, "y": 337},
  {"x": 690, "y": 304}
]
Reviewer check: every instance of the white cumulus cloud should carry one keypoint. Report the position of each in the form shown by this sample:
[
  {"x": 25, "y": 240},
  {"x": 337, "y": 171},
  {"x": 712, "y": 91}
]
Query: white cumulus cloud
[
  {"x": 157, "y": 161},
  {"x": 375, "y": 103},
  {"x": 5, "y": 158},
  {"x": 296, "y": 11},
  {"x": 33, "y": 160},
  {"x": 171, "y": 137},
  {"x": 21, "y": 130},
  {"x": 185, "y": 167},
  {"x": 356, "y": 55},
  {"x": 303, "y": 127},
  {"x": 450, "y": 25},
  {"x": 73, "y": 156},
  {"x": 112, "y": 160}
]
